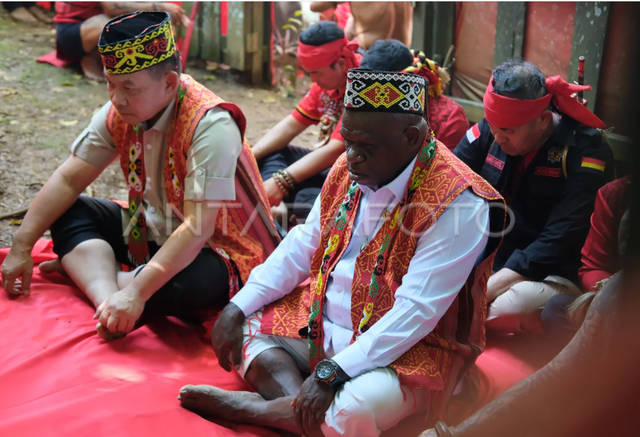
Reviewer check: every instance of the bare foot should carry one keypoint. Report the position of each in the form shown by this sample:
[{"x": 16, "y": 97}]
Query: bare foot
[
  {"x": 40, "y": 14},
  {"x": 124, "y": 278},
  {"x": 92, "y": 68},
  {"x": 210, "y": 402},
  {"x": 22, "y": 14},
  {"x": 53, "y": 266}
]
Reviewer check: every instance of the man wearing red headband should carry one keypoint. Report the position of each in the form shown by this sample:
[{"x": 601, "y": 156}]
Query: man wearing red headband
[
  {"x": 543, "y": 151},
  {"x": 446, "y": 118},
  {"x": 296, "y": 174}
]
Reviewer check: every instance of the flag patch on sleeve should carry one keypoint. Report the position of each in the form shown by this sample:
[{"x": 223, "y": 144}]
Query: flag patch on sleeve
[
  {"x": 473, "y": 133},
  {"x": 593, "y": 163}
]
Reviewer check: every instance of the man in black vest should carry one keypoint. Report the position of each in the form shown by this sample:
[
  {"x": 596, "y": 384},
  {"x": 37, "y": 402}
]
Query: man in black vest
[{"x": 543, "y": 151}]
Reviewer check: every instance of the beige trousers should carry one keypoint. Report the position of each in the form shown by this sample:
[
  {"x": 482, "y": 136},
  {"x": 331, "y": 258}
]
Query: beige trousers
[
  {"x": 364, "y": 407},
  {"x": 519, "y": 308}
]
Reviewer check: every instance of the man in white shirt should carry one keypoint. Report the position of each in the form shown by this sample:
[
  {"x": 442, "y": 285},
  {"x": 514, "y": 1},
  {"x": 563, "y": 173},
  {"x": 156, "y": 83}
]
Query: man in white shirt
[{"x": 396, "y": 246}]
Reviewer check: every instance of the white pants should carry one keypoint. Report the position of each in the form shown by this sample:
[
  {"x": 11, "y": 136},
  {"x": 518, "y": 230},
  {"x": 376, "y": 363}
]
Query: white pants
[
  {"x": 519, "y": 308},
  {"x": 365, "y": 406}
]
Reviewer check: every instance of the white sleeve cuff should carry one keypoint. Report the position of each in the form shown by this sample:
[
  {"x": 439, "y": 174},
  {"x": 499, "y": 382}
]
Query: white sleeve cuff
[
  {"x": 247, "y": 300},
  {"x": 353, "y": 361}
]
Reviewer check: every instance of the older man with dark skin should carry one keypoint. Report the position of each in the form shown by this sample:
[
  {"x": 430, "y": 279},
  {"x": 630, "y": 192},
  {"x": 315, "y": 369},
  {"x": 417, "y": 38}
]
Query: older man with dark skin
[{"x": 384, "y": 329}]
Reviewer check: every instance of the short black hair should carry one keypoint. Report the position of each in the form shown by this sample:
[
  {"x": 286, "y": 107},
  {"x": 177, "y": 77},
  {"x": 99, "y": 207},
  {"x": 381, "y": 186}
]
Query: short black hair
[
  {"x": 172, "y": 63},
  {"x": 519, "y": 79},
  {"x": 387, "y": 55},
  {"x": 320, "y": 33}
]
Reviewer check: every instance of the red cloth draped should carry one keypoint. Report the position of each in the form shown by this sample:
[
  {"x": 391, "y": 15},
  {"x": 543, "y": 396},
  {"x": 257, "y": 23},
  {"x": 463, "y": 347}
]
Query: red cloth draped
[
  {"x": 600, "y": 258},
  {"x": 505, "y": 112},
  {"x": 316, "y": 57}
]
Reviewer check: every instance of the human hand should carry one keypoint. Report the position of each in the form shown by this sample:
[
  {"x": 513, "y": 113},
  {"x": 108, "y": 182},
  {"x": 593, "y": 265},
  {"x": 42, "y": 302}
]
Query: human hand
[
  {"x": 178, "y": 16},
  {"x": 274, "y": 192},
  {"x": 226, "y": 337},
  {"x": 121, "y": 311},
  {"x": 17, "y": 270},
  {"x": 311, "y": 405},
  {"x": 429, "y": 433}
]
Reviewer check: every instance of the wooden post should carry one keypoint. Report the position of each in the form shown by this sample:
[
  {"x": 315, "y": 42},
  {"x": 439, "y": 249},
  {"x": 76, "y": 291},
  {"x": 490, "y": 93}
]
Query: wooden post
[
  {"x": 442, "y": 29},
  {"x": 422, "y": 34},
  {"x": 195, "y": 48},
  {"x": 240, "y": 17},
  {"x": 509, "y": 31},
  {"x": 589, "y": 31},
  {"x": 255, "y": 44},
  {"x": 211, "y": 50}
]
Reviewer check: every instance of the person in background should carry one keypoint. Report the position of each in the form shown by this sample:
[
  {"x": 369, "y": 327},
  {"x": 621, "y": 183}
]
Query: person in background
[
  {"x": 602, "y": 255},
  {"x": 446, "y": 118},
  {"x": 79, "y": 24},
  {"x": 543, "y": 151},
  {"x": 27, "y": 12},
  {"x": 293, "y": 175}
]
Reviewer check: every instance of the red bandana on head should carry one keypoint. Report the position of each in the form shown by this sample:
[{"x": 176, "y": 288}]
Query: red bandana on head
[
  {"x": 506, "y": 112},
  {"x": 316, "y": 57}
]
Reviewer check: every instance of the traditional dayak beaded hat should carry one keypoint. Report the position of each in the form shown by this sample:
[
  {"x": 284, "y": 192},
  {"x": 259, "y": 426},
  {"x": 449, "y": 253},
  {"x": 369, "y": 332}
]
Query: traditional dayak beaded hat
[
  {"x": 135, "y": 41},
  {"x": 385, "y": 91}
]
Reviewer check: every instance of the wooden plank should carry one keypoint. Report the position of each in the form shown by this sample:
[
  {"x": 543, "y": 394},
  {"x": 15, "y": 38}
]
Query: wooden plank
[
  {"x": 422, "y": 34},
  {"x": 196, "y": 37},
  {"x": 211, "y": 50},
  {"x": 257, "y": 39},
  {"x": 443, "y": 29},
  {"x": 239, "y": 19},
  {"x": 589, "y": 31},
  {"x": 474, "y": 110},
  {"x": 620, "y": 145},
  {"x": 509, "y": 31}
]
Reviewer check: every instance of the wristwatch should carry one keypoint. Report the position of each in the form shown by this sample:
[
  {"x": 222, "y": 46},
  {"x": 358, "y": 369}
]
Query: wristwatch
[
  {"x": 442, "y": 430},
  {"x": 327, "y": 372}
]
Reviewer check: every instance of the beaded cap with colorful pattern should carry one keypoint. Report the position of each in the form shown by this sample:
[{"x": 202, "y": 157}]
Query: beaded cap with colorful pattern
[
  {"x": 385, "y": 91},
  {"x": 136, "y": 41}
]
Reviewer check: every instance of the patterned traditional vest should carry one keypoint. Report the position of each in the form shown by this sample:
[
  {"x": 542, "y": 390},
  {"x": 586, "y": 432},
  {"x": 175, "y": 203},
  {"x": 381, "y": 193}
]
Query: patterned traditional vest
[
  {"x": 245, "y": 233},
  {"x": 440, "y": 359}
]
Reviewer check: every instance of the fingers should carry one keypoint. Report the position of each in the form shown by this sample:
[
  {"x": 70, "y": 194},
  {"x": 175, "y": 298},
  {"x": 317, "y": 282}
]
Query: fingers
[
  {"x": 236, "y": 354},
  {"x": 223, "y": 357},
  {"x": 9, "y": 283},
  {"x": 122, "y": 324},
  {"x": 112, "y": 323},
  {"x": 99, "y": 310},
  {"x": 26, "y": 281}
]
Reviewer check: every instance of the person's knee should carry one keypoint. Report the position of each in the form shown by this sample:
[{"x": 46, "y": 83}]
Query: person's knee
[
  {"x": 367, "y": 405},
  {"x": 79, "y": 209},
  {"x": 555, "y": 310},
  {"x": 90, "y": 32}
]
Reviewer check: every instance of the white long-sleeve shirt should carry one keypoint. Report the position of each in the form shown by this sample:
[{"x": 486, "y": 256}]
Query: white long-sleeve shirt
[{"x": 443, "y": 259}]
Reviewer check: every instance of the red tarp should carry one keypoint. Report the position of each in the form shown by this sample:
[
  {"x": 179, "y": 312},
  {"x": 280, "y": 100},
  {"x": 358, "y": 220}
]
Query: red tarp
[{"x": 57, "y": 378}]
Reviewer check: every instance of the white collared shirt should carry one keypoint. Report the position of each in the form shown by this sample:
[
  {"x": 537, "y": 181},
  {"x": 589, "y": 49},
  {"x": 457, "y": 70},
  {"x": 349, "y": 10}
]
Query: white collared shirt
[{"x": 444, "y": 257}]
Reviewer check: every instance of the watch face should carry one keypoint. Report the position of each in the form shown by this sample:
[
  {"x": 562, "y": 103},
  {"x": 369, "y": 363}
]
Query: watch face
[{"x": 324, "y": 370}]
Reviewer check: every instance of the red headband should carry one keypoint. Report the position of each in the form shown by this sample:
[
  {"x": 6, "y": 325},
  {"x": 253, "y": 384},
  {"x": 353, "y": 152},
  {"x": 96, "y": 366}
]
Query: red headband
[
  {"x": 316, "y": 57},
  {"x": 505, "y": 112}
]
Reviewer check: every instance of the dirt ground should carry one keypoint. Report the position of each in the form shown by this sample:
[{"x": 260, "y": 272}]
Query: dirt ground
[{"x": 43, "y": 109}]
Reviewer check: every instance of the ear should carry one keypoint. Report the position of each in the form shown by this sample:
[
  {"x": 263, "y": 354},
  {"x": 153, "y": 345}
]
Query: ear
[
  {"x": 342, "y": 65},
  {"x": 545, "y": 118},
  {"x": 413, "y": 137},
  {"x": 172, "y": 80}
]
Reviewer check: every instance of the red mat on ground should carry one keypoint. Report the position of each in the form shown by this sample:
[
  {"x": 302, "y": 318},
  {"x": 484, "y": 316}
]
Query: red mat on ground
[
  {"x": 58, "y": 378},
  {"x": 53, "y": 59}
]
